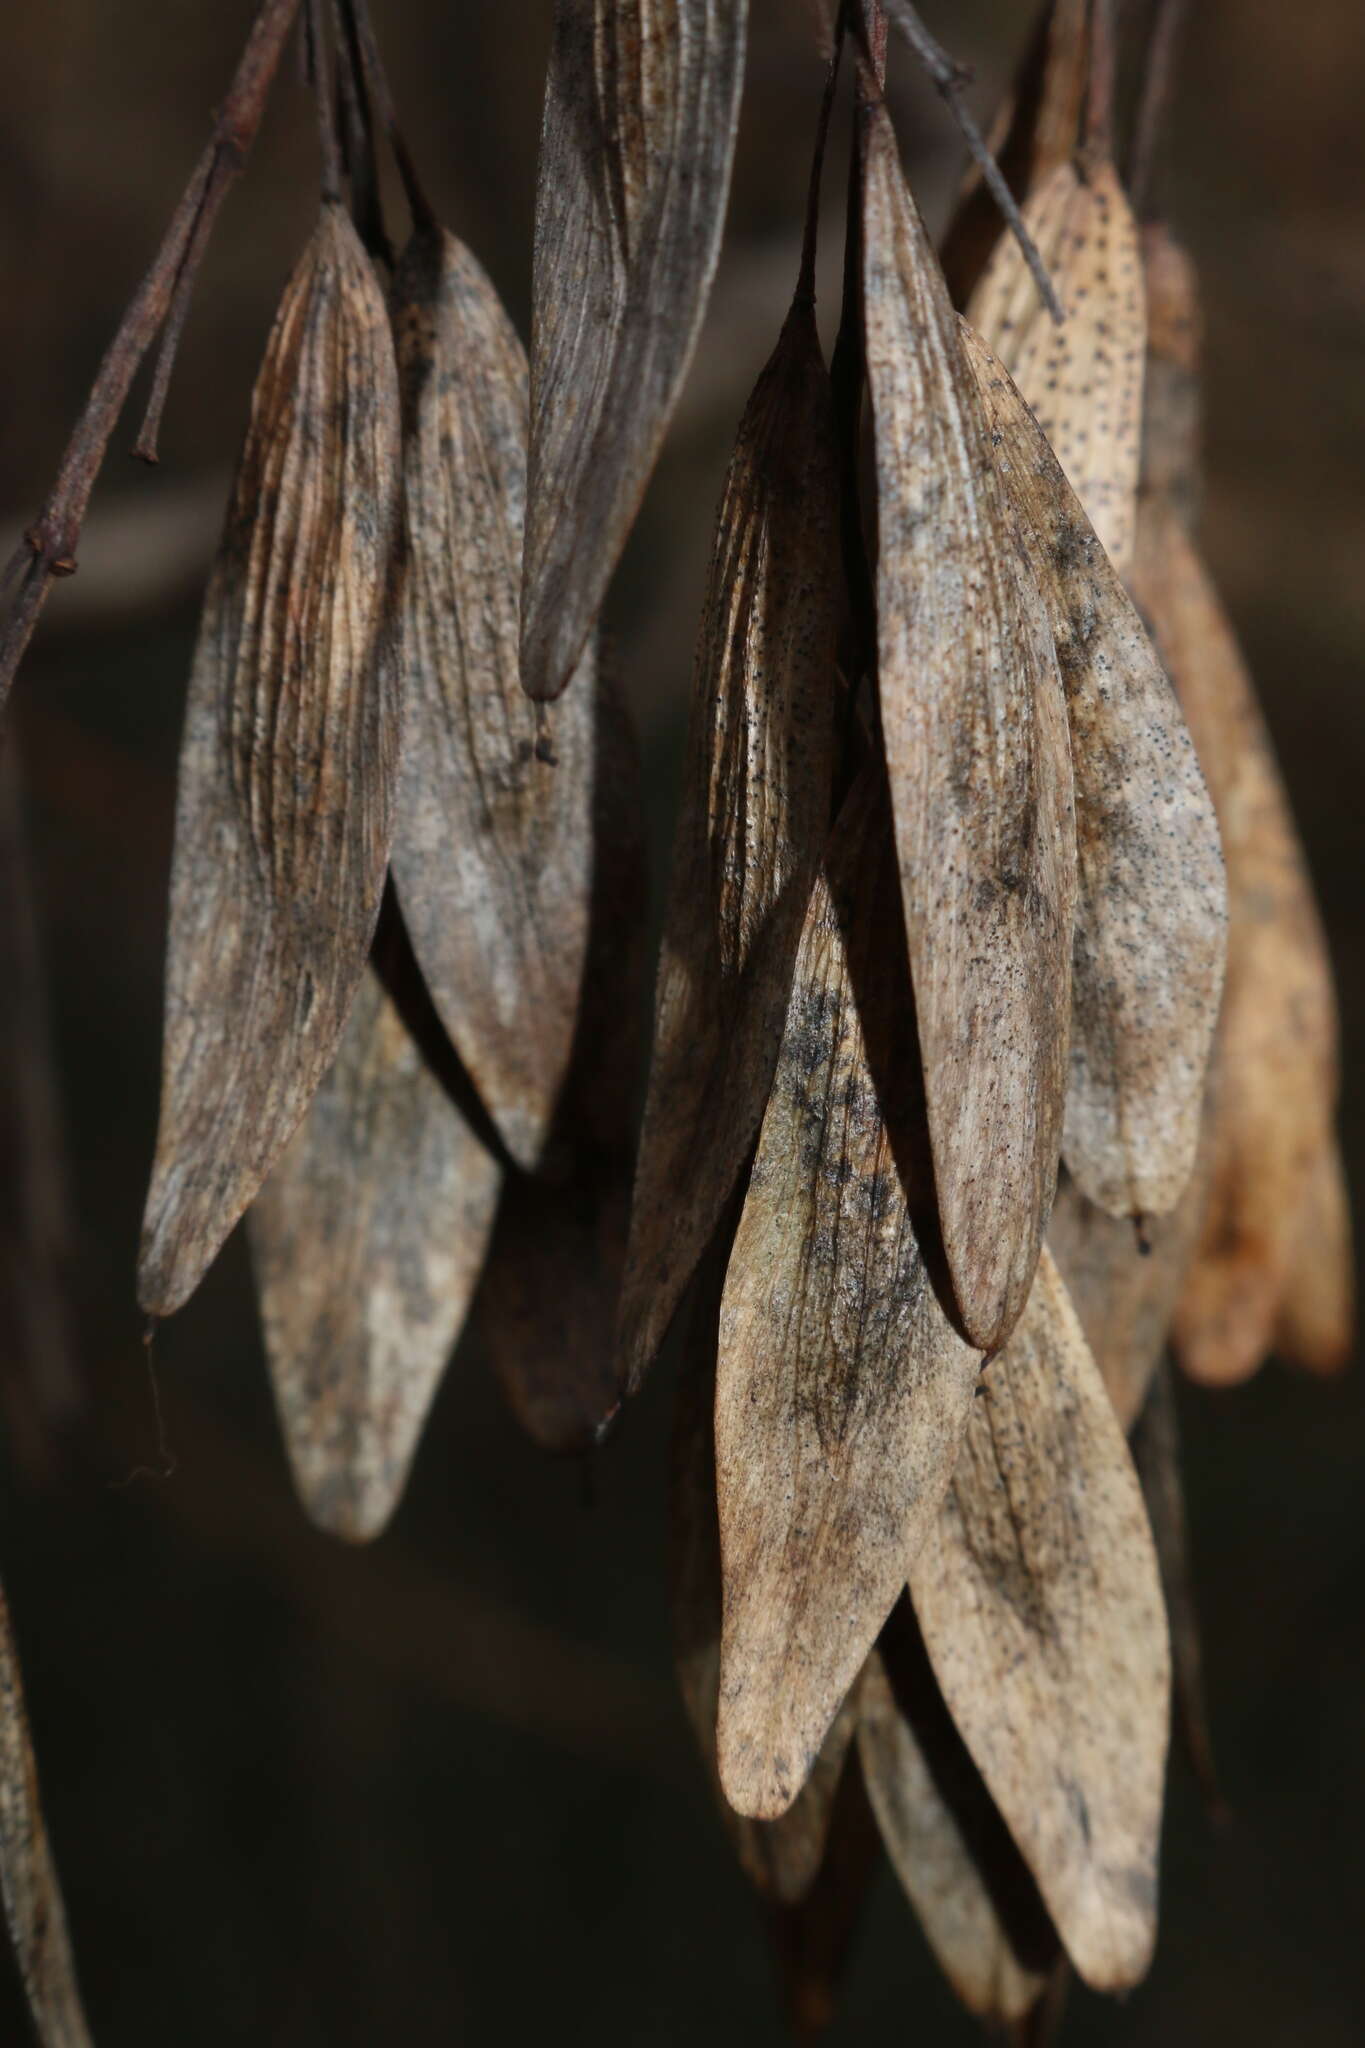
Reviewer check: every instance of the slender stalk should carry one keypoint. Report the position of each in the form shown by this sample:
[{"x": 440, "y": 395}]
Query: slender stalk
[
  {"x": 950, "y": 77},
  {"x": 49, "y": 546},
  {"x": 1099, "y": 101},
  {"x": 221, "y": 173},
  {"x": 357, "y": 132},
  {"x": 806, "y": 284},
  {"x": 423, "y": 214},
  {"x": 1155, "y": 96}
]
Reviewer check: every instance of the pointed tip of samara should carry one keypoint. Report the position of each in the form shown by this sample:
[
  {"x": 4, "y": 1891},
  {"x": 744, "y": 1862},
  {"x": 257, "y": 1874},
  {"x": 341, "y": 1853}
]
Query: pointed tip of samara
[
  {"x": 349, "y": 1500},
  {"x": 548, "y": 657},
  {"x": 762, "y": 1770},
  {"x": 166, "y": 1278}
]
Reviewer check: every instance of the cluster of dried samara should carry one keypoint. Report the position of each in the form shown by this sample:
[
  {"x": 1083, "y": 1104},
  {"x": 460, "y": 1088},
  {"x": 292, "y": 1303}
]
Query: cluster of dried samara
[{"x": 954, "y": 1117}]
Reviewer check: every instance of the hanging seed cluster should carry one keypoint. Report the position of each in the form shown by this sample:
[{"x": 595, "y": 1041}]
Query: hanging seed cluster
[{"x": 994, "y": 1042}]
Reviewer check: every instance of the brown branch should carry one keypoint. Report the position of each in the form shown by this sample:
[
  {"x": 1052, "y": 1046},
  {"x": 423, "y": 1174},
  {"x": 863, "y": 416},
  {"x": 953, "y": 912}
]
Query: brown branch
[
  {"x": 322, "y": 77},
  {"x": 49, "y": 546},
  {"x": 1155, "y": 96},
  {"x": 950, "y": 77}
]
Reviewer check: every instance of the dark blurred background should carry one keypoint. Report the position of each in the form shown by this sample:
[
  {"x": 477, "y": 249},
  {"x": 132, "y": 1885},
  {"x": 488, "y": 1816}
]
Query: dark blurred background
[{"x": 442, "y": 1790}]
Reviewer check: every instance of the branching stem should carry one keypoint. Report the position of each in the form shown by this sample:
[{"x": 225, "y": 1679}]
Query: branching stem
[{"x": 49, "y": 546}]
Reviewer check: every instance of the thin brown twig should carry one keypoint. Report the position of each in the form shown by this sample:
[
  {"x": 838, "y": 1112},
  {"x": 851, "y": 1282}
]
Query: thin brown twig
[
  {"x": 221, "y": 173},
  {"x": 1155, "y": 96},
  {"x": 49, "y": 546},
  {"x": 949, "y": 77},
  {"x": 376, "y": 77}
]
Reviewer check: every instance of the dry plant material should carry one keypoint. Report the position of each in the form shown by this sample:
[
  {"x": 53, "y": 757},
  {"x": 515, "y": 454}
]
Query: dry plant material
[
  {"x": 288, "y": 763},
  {"x": 367, "y": 1241},
  {"x": 1124, "y": 1281},
  {"x": 1277, "y": 1040},
  {"x": 966, "y": 1881},
  {"x": 1315, "y": 1324},
  {"x": 1083, "y": 377},
  {"x": 1038, "y": 1595},
  {"x": 492, "y": 851},
  {"x": 976, "y": 745},
  {"x": 1277, "y": 1045},
  {"x": 755, "y": 811},
  {"x": 547, "y": 1310},
  {"x": 28, "y": 1881},
  {"x": 842, "y": 1388},
  {"x": 780, "y": 1857},
  {"x": 1151, "y": 916},
  {"x": 641, "y": 106},
  {"x": 1034, "y": 132}
]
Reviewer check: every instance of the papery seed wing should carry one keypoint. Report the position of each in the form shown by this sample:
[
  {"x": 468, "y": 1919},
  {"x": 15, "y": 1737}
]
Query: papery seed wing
[
  {"x": 1038, "y": 1595},
  {"x": 1277, "y": 1041},
  {"x": 780, "y": 1857},
  {"x": 1315, "y": 1325},
  {"x": 547, "y": 1310},
  {"x": 492, "y": 850},
  {"x": 1083, "y": 377},
  {"x": 842, "y": 1387},
  {"x": 755, "y": 812},
  {"x": 1124, "y": 1280},
  {"x": 641, "y": 106},
  {"x": 288, "y": 763},
  {"x": 976, "y": 744},
  {"x": 367, "y": 1241},
  {"x": 1151, "y": 912},
  {"x": 951, "y": 1851},
  {"x": 28, "y": 1880}
]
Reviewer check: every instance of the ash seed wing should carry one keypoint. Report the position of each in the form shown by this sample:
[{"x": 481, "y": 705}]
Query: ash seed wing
[
  {"x": 979, "y": 760},
  {"x": 1277, "y": 1037},
  {"x": 1084, "y": 377},
  {"x": 1040, "y": 1603},
  {"x": 782, "y": 1857},
  {"x": 842, "y": 1387},
  {"x": 367, "y": 1241},
  {"x": 754, "y": 818},
  {"x": 641, "y": 106},
  {"x": 1151, "y": 913},
  {"x": 32, "y": 1896},
  {"x": 935, "y": 1843},
  {"x": 492, "y": 851},
  {"x": 288, "y": 763},
  {"x": 547, "y": 1309},
  {"x": 1124, "y": 1288},
  {"x": 1315, "y": 1324}
]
